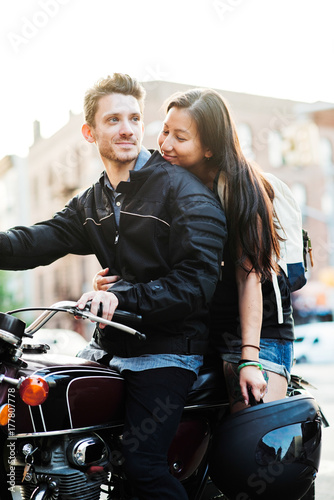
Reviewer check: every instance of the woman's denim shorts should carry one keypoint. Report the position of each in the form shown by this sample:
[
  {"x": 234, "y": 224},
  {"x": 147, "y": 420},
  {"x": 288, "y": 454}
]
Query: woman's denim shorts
[{"x": 276, "y": 355}]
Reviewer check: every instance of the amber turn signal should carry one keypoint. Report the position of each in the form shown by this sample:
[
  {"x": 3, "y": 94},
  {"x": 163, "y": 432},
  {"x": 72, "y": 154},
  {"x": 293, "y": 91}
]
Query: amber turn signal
[
  {"x": 4, "y": 414},
  {"x": 34, "y": 390}
]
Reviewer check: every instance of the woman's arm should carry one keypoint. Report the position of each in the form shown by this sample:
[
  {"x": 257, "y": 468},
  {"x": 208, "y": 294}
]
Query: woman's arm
[{"x": 250, "y": 313}]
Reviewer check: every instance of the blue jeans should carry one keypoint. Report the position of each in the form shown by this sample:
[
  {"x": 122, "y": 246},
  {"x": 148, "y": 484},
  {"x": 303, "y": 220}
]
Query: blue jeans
[{"x": 276, "y": 355}]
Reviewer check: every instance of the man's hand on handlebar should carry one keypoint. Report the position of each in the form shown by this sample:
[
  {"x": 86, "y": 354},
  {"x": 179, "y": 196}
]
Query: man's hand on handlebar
[{"x": 107, "y": 300}]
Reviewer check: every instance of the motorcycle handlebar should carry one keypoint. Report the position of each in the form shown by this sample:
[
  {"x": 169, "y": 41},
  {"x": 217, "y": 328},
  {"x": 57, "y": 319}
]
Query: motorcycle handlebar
[{"x": 71, "y": 308}]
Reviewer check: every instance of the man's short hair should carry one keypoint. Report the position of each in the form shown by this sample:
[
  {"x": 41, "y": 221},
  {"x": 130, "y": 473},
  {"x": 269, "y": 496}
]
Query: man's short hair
[{"x": 119, "y": 83}]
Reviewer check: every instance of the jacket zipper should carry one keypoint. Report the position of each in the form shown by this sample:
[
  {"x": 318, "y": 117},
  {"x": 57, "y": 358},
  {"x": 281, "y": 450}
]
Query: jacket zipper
[{"x": 116, "y": 238}]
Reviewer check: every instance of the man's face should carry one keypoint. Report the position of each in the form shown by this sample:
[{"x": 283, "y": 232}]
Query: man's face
[{"x": 118, "y": 129}]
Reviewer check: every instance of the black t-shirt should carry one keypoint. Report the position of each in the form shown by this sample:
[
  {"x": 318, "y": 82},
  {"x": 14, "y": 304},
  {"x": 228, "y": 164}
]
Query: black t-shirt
[{"x": 224, "y": 311}]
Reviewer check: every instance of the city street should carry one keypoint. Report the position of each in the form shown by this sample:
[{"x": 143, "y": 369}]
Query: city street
[{"x": 322, "y": 377}]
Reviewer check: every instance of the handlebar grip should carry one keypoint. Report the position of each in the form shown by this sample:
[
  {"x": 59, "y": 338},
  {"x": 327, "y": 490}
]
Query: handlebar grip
[
  {"x": 118, "y": 314},
  {"x": 128, "y": 316}
]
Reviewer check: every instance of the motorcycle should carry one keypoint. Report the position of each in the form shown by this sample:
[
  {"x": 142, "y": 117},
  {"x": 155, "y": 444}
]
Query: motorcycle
[{"x": 61, "y": 428}]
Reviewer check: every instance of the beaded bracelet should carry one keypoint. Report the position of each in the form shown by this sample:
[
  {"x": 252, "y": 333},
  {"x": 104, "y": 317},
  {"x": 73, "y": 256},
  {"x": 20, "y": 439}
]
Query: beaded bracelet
[{"x": 250, "y": 363}]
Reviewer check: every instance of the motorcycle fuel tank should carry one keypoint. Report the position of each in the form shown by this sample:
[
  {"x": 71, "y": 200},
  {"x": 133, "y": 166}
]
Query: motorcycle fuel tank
[{"x": 82, "y": 394}]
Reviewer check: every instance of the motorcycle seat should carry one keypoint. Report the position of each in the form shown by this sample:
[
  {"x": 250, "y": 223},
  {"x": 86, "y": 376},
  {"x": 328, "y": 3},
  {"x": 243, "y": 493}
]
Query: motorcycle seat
[{"x": 209, "y": 387}]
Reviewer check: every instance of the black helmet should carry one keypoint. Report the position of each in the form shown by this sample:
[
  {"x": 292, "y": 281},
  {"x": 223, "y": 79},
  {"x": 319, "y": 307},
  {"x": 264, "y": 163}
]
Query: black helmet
[{"x": 269, "y": 452}]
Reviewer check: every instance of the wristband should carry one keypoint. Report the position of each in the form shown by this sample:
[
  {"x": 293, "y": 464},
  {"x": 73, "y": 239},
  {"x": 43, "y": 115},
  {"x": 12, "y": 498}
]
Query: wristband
[
  {"x": 250, "y": 363},
  {"x": 251, "y": 345}
]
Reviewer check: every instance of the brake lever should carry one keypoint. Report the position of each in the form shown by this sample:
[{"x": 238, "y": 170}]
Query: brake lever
[{"x": 86, "y": 314}]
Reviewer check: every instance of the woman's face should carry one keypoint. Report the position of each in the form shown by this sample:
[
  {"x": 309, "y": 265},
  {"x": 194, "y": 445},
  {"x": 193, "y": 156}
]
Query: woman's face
[{"x": 180, "y": 144}]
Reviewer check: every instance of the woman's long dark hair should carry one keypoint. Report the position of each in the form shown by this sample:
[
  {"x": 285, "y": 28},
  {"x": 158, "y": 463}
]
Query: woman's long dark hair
[{"x": 246, "y": 195}]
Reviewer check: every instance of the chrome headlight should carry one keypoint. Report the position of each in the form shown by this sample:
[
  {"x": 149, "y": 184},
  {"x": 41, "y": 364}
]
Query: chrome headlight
[{"x": 87, "y": 451}]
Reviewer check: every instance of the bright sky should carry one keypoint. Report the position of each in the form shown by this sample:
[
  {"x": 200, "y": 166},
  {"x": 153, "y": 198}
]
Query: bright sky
[{"x": 52, "y": 50}]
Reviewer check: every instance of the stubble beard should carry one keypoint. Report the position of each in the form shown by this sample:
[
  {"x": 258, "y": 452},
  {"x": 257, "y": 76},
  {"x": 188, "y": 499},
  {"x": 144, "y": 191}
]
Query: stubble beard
[{"x": 126, "y": 157}]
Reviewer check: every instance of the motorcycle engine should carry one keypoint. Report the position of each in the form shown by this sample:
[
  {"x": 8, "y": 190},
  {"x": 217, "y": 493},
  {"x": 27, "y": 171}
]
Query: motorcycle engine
[{"x": 64, "y": 468}]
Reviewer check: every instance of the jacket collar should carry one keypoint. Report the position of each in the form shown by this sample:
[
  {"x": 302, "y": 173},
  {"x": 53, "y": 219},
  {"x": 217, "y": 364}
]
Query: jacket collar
[
  {"x": 137, "y": 177},
  {"x": 147, "y": 158}
]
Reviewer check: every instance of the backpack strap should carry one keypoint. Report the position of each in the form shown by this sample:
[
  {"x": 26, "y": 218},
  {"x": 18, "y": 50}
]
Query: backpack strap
[{"x": 278, "y": 298}]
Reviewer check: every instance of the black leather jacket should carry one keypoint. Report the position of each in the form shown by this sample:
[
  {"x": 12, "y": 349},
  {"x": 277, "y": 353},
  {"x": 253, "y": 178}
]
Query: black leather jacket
[{"x": 168, "y": 253}]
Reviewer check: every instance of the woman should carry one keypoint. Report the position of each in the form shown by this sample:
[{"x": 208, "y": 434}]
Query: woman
[{"x": 244, "y": 326}]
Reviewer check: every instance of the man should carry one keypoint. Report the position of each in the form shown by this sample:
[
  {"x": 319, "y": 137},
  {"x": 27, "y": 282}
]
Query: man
[{"x": 162, "y": 232}]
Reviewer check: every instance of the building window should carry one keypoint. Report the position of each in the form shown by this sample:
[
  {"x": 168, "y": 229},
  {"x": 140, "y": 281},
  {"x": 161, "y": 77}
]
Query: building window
[
  {"x": 35, "y": 192},
  {"x": 275, "y": 149},
  {"x": 326, "y": 162},
  {"x": 327, "y": 204},
  {"x": 246, "y": 140},
  {"x": 50, "y": 177},
  {"x": 41, "y": 289},
  {"x": 326, "y": 155}
]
